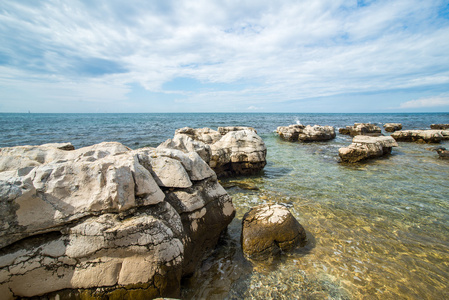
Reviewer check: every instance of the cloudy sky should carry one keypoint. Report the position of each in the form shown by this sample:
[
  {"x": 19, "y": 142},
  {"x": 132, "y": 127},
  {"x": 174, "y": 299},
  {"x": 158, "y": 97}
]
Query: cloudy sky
[{"x": 224, "y": 56}]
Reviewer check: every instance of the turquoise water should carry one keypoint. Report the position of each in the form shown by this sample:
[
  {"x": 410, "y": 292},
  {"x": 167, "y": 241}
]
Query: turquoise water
[{"x": 376, "y": 230}]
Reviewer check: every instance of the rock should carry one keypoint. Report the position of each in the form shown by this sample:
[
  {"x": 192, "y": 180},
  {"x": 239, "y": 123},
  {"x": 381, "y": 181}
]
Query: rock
[
  {"x": 361, "y": 129},
  {"x": 105, "y": 220},
  {"x": 225, "y": 130},
  {"x": 442, "y": 152},
  {"x": 269, "y": 229},
  {"x": 392, "y": 127},
  {"x": 419, "y": 136},
  {"x": 364, "y": 147},
  {"x": 237, "y": 152},
  {"x": 439, "y": 126},
  {"x": 306, "y": 133},
  {"x": 445, "y": 134}
]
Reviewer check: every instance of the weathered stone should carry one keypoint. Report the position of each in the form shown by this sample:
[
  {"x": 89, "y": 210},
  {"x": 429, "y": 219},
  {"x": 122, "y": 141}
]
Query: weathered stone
[
  {"x": 225, "y": 130},
  {"x": 418, "y": 136},
  {"x": 95, "y": 221},
  {"x": 306, "y": 133},
  {"x": 237, "y": 152},
  {"x": 364, "y": 147},
  {"x": 392, "y": 127},
  {"x": 439, "y": 126},
  {"x": 205, "y": 135},
  {"x": 269, "y": 229},
  {"x": 361, "y": 129}
]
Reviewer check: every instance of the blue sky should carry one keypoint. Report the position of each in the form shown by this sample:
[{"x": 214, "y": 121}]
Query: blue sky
[{"x": 224, "y": 56}]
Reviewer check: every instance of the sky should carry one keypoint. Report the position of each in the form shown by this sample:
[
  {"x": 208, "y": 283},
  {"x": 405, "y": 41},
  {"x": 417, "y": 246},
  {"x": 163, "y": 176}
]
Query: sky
[{"x": 224, "y": 56}]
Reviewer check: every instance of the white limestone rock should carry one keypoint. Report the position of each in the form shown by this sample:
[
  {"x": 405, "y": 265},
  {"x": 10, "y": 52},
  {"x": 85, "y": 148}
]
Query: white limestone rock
[
  {"x": 306, "y": 133},
  {"x": 364, "y": 147}
]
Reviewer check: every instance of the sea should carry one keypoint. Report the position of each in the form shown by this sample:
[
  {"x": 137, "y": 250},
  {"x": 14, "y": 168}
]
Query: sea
[{"x": 375, "y": 230}]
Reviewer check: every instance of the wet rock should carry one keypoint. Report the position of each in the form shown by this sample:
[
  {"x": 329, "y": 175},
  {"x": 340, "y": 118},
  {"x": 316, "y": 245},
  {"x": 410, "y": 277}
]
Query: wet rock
[
  {"x": 361, "y": 129},
  {"x": 442, "y": 152},
  {"x": 365, "y": 147},
  {"x": 392, "y": 127},
  {"x": 306, "y": 133},
  {"x": 439, "y": 126},
  {"x": 237, "y": 152},
  {"x": 105, "y": 220},
  {"x": 269, "y": 229},
  {"x": 418, "y": 136}
]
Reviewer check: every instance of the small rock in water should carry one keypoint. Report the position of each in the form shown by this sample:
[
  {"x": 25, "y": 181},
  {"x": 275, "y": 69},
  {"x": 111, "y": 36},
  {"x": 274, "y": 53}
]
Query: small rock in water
[{"x": 269, "y": 229}]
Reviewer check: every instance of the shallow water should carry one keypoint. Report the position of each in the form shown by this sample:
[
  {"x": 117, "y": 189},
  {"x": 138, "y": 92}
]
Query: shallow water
[{"x": 376, "y": 230}]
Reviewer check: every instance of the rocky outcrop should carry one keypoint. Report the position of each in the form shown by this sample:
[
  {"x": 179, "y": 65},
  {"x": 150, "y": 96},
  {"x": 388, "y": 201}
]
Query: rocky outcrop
[
  {"x": 306, "y": 133},
  {"x": 365, "y": 147},
  {"x": 392, "y": 127},
  {"x": 225, "y": 130},
  {"x": 239, "y": 151},
  {"x": 105, "y": 221},
  {"x": 269, "y": 229},
  {"x": 418, "y": 136},
  {"x": 439, "y": 126},
  {"x": 361, "y": 129}
]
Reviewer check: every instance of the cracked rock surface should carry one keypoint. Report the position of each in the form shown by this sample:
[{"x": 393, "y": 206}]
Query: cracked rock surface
[
  {"x": 229, "y": 151},
  {"x": 268, "y": 230},
  {"x": 104, "y": 220}
]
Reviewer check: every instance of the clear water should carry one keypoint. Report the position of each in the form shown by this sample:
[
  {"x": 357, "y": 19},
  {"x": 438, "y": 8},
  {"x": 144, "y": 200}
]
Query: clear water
[{"x": 376, "y": 230}]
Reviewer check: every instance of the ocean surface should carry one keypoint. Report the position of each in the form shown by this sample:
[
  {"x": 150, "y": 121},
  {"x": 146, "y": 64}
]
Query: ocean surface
[{"x": 375, "y": 230}]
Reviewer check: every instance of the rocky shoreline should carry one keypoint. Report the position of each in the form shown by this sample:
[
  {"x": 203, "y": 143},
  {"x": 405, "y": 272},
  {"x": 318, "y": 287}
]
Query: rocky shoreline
[{"x": 106, "y": 221}]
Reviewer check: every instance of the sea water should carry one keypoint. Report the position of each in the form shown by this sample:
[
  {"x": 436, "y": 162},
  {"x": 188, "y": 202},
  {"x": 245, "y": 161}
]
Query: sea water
[{"x": 375, "y": 230}]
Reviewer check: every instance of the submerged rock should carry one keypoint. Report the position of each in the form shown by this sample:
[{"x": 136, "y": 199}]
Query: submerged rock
[
  {"x": 439, "y": 126},
  {"x": 361, "y": 129},
  {"x": 418, "y": 136},
  {"x": 105, "y": 220},
  {"x": 364, "y": 147},
  {"x": 269, "y": 229},
  {"x": 239, "y": 151},
  {"x": 442, "y": 152},
  {"x": 392, "y": 127},
  {"x": 306, "y": 133}
]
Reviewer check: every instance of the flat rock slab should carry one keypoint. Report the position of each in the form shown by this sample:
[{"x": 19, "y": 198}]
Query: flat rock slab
[
  {"x": 361, "y": 129},
  {"x": 418, "y": 136},
  {"x": 269, "y": 229},
  {"x": 365, "y": 147}
]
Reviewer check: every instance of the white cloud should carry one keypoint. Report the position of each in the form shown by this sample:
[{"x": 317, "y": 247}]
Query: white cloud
[
  {"x": 437, "y": 101},
  {"x": 281, "y": 52}
]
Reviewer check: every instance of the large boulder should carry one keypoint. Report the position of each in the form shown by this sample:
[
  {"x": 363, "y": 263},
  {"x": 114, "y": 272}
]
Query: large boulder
[
  {"x": 418, "y": 136},
  {"x": 306, "y": 133},
  {"x": 361, "y": 129},
  {"x": 392, "y": 127},
  {"x": 237, "y": 151},
  {"x": 439, "y": 126},
  {"x": 268, "y": 230},
  {"x": 105, "y": 221},
  {"x": 364, "y": 147}
]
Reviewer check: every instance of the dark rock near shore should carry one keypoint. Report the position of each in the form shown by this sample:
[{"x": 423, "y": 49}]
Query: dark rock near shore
[{"x": 268, "y": 230}]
